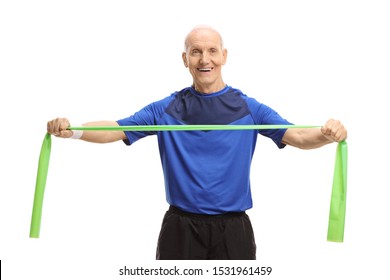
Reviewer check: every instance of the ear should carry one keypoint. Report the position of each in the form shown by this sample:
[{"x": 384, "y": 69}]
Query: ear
[
  {"x": 184, "y": 57},
  {"x": 224, "y": 53}
]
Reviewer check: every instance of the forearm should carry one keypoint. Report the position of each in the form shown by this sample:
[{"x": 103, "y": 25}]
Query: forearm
[
  {"x": 305, "y": 138},
  {"x": 59, "y": 127},
  {"x": 311, "y": 138},
  {"x": 97, "y": 136}
]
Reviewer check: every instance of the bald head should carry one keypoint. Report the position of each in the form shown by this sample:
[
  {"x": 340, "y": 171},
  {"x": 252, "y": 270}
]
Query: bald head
[
  {"x": 199, "y": 29},
  {"x": 204, "y": 56}
]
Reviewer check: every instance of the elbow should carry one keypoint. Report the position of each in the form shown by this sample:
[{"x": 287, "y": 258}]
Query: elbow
[{"x": 297, "y": 143}]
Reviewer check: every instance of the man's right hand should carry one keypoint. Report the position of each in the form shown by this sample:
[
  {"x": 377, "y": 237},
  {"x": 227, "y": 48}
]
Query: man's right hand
[{"x": 58, "y": 127}]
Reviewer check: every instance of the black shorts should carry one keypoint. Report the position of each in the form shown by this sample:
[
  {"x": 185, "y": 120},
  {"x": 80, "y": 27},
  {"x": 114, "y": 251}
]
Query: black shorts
[{"x": 187, "y": 236}]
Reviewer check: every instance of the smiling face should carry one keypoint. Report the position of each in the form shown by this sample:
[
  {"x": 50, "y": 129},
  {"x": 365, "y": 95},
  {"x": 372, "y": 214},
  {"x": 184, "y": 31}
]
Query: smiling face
[{"x": 204, "y": 57}]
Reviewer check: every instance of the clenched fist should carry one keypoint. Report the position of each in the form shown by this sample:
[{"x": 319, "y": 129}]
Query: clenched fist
[
  {"x": 334, "y": 130},
  {"x": 58, "y": 127}
]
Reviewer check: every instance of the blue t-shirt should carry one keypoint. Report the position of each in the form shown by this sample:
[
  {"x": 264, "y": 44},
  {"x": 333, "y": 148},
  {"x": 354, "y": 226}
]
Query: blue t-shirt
[{"x": 207, "y": 172}]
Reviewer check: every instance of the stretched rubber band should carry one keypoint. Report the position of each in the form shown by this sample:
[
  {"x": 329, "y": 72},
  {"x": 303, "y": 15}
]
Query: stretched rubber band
[
  {"x": 339, "y": 189},
  {"x": 189, "y": 127}
]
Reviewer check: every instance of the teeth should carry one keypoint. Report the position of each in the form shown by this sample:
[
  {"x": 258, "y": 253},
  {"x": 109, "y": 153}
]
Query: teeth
[{"x": 204, "y": 69}]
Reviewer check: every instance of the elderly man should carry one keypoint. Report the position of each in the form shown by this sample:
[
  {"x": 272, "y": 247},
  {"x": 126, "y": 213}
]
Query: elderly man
[{"x": 206, "y": 172}]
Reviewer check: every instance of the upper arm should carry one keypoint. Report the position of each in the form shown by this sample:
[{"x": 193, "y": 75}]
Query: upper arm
[
  {"x": 149, "y": 115},
  {"x": 265, "y": 115}
]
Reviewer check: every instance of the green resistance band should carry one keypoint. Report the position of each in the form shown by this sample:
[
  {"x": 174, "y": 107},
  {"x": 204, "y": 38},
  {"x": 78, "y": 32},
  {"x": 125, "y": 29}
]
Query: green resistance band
[
  {"x": 339, "y": 195},
  {"x": 339, "y": 189},
  {"x": 43, "y": 168}
]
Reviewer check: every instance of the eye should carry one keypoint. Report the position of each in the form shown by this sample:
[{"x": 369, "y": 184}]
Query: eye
[
  {"x": 213, "y": 50},
  {"x": 195, "y": 51}
]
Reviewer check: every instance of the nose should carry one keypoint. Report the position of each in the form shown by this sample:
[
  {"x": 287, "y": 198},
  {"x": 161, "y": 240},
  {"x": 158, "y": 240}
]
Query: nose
[{"x": 205, "y": 59}]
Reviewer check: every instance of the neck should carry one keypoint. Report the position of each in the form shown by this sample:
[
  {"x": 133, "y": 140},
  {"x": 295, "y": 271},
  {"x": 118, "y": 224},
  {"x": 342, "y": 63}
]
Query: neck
[{"x": 205, "y": 89}]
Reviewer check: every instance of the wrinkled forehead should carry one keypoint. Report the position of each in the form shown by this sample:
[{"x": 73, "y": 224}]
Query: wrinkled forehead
[{"x": 203, "y": 37}]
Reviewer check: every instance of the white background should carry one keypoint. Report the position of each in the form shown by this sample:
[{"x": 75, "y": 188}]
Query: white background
[{"x": 104, "y": 60}]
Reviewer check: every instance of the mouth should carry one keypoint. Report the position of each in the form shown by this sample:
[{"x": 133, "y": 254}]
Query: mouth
[{"x": 205, "y": 70}]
